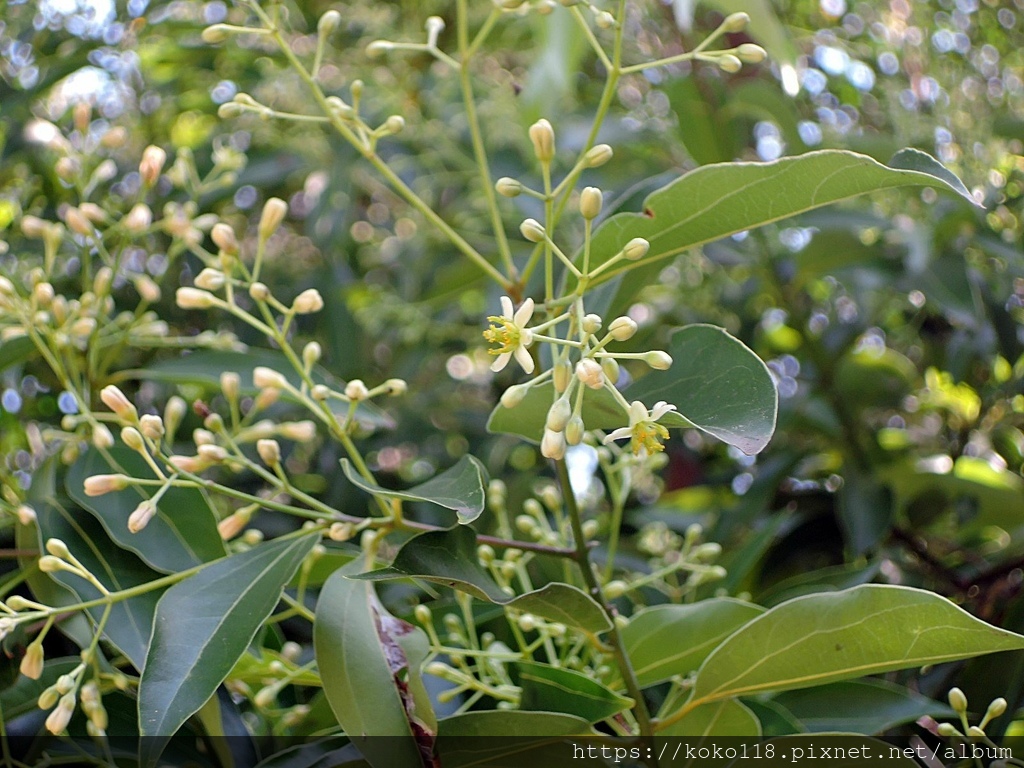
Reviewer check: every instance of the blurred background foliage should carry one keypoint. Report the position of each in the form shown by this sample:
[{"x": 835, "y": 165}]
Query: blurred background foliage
[{"x": 893, "y": 326}]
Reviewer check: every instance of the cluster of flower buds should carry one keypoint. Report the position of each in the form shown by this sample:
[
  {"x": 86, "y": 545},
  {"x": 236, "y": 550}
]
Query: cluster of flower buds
[{"x": 971, "y": 733}]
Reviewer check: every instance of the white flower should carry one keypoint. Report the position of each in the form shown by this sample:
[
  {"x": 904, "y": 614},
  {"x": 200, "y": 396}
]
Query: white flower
[
  {"x": 510, "y": 332},
  {"x": 644, "y": 431}
]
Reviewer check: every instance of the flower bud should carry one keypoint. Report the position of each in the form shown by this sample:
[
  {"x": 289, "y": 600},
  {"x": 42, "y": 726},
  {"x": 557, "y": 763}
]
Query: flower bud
[
  {"x": 591, "y": 323},
  {"x": 729, "y": 63},
  {"x": 66, "y": 168},
  {"x": 636, "y": 249},
  {"x": 210, "y": 280},
  {"x": 329, "y": 22},
  {"x": 83, "y": 327},
  {"x": 131, "y": 437},
  {"x": 341, "y": 531},
  {"x": 591, "y": 200},
  {"x": 574, "y": 431},
  {"x": 957, "y": 700},
  {"x": 101, "y": 436},
  {"x": 553, "y": 445},
  {"x": 378, "y": 48},
  {"x": 229, "y": 110},
  {"x": 614, "y": 589},
  {"x": 749, "y": 53},
  {"x": 217, "y": 33},
  {"x": 59, "y": 718},
  {"x": 658, "y": 360},
  {"x": 264, "y": 378},
  {"x": 561, "y": 374},
  {"x": 610, "y": 367},
  {"x": 43, "y": 294},
  {"x": 735, "y": 22},
  {"x": 589, "y": 372},
  {"x": 299, "y": 431},
  {"x": 320, "y": 392},
  {"x": 153, "y": 159},
  {"x": 308, "y": 302},
  {"x": 93, "y": 212},
  {"x": 396, "y": 387},
  {"x": 532, "y": 230},
  {"x": 311, "y": 353},
  {"x": 26, "y": 515},
  {"x": 193, "y": 298},
  {"x": 51, "y": 564},
  {"x": 946, "y": 730},
  {"x": 274, "y": 211},
  {"x": 32, "y": 662},
  {"x": 269, "y": 451},
  {"x": 356, "y": 390},
  {"x": 223, "y": 237},
  {"x": 77, "y": 222},
  {"x": 211, "y": 454},
  {"x": 48, "y": 698},
  {"x": 622, "y": 328},
  {"x": 116, "y": 401},
  {"x": 514, "y": 395},
  {"x": 508, "y": 187},
  {"x": 543, "y": 137},
  {"x": 230, "y": 385},
  {"x": 147, "y": 289},
  {"x": 174, "y": 412},
  {"x": 597, "y": 156},
  {"x": 190, "y": 464},
  {"x": 604, "y": 20},
  {"x": 139, "y": 218},
  {"x": 233, "y": 524},
  {"x": 558, "y": 415},
  {"x": 394, "y": 124},
  {"x": 33, "y": 227},
  {"x": 151, "y": 426},
  {"x": 259, "y": 292},
  {"x": 140, "y": 518},
  {"x": 996, "y": 709},
  {"x": 203, "y": 437},
  {"x": 422, "y": 614}
]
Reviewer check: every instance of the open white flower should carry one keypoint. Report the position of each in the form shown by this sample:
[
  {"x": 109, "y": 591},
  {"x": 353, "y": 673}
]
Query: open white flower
[
  {"x": 644, "y": 431},
  {"x": 510, "y": 332}
]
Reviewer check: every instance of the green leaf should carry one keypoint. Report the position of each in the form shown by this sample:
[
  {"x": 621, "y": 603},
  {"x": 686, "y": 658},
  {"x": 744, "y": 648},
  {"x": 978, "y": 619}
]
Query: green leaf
[
  {"x": 460, "y": 488},
  {"x": 15, "y": 351},
  {"x": 668, "y": 640},
  {"x": 719, "y": 386},
  {"x": 554, "y": 689},
  {"x": 204, "y": 368},
  {"x": 727, "y": 717},
  {"x": 202, "y": 626},
  {"x": 831, "y": 578},
  {"x": 715, "y": 201},
  {"x": 362, "y": 675},
  {"x": 865, "y": 511},
  {"x": 130, "y": 624},
  {"x": 181, "y": 535},
  {"x": 864, "y": 706},
  {"x": 449, "y": 558},
  {"x": 514, "y": 724},
  {"x": 826, "y": 638}
]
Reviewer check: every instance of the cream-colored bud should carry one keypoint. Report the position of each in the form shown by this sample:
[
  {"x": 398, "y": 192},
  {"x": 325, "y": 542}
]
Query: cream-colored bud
[
  {"x": 235, "y": 523},
  {"x": 996, "y": 709},
  {"x": 308, "y": 302},
  {"x": 216, "y": 33},
  {"x": 58, "y": 720},
  {"x": 115, "y": 137},
  {"x": 43, "y": 294},
  {"x": 210, "y": 280},
  {"x": 274, "y": 211},
  {"x": 26, "y": 515},
  {"x": 735, "y": 22},
  {"x": 394, "y": 124},
  {"x": 561, "y": 374},
  {"x": 658, "y": 360},
  {"x": 266, "y": 398},
  {"x": 131, "y": 437},
  {"x": 396, "y": 387},
  {"x": 528, "y": 622},
  {"x": 614, "y": 589},
  {"x": 329, "y": 22},
  {"x": 378, "y": 48},
  {"x": 116, "y": 401},
  {"x": 543, "y": 137},
  {"x": 174, "y": 413},
  {"x": 102, "y": 437},
  {"x": 147, "y": 289},
  {"x": 230, "y": 385},
  {"x": 422, "y": 614},
  {"x": 946, "y": 730},
  {"x": 356, "y": 390},
  {"x": 203, "y": 437},
  {"x": 553, "y": 444},
  {"x": 558, "y": 414},
  {"x": 77, "y": 222},
  {"x": 729, "y": 63},
  {"x": 229, "y": 110},
  {"x": 212, "y": 454},
  {"x": 48, "y": 698},
  {"x": 152, "y": 426},
  {"x": 97, "y": 485},
  {"x": 957, "y": 700},
  {"x": 83, "y": 327},
  {"x": 604, "y": 20},
  {"x": 153, "y": 159},
  {"x": 589, "y": 372},
  {"x": 190, "y": 464},
  {"x": 223, "y": 237},
  {"x": 749, "y": 53},
  {"x": 622, "y": 328},
  {"x": 591, "y": 200},
  {"x": 92, "y": 212},
  {"x": 194, "y": 298},
  {"x": 532, "y": 230},
  {"x": 320, "y": 392},
  {"x": 299, "y": 431},
  {"x": 259, "y": 291},
  {"x": 508, "y": 187},
  {"x": 597, "y": 156},
  {"x": 269, "y": 452},
  {"x": 341, "y": 531},
  {"x": 574, "y": 431},
  {"x": 610, "y": 367},
  {"x": 66, "y": 168},
  {"x": 636, "y": 249},
  {"x": 50, "y": 564},
  {"x": 514, "y": 395},
  {"x": 141, "y": 516},
  {"x": 591, "y": 323},
  {"x": 105, "y": 171},
  {"x": 139, "y": 218},
  {"x": 58, "y": 548},
  {"x": 311, "y": 353},
  {"x": 33, "y": 226}
]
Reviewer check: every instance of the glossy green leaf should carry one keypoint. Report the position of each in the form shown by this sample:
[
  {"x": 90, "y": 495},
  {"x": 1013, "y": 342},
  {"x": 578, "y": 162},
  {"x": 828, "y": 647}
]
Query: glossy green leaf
[
  {"x": 826, "y": 638},
  {"x": 203, "y": 625},
  {"x": 15, "y": 351},
  {"x": 513, "y": 724},
  {"x": 718, "y": 385},
  {"x": 205, "y": 367},
  {"x": 363, "y": 676},
  {"x": 864, "y": 706},
  {"x": 449, "y": 558},
  {"x": 555, "y": 689},
  {"x": 728, "y": 717},
  {"x": 669, "y": 640},
  {"x": 828, "y": 579},
  {"x": 181, "y": 535},
  {"x": 130, "y": 623},
  {"x": 460, "y": 488},
  {"x": 715, "y": 201}
]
